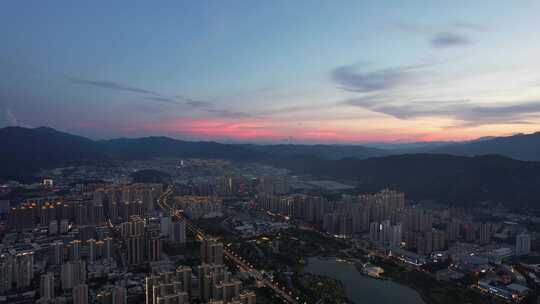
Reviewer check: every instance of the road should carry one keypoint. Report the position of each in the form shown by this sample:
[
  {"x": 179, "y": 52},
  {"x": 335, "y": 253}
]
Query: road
[{"x": 230, "y": 255}]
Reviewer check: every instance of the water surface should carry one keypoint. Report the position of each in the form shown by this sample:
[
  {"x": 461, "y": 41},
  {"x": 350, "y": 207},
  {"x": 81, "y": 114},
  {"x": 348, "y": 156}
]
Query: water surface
[{"x": 360, "y": 288}]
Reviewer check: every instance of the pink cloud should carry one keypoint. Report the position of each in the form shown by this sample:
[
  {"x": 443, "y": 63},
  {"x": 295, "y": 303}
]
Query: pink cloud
[
  {"x": 253, "y": 129},
  {"x": 214, "y": 128},
  {"x": 257, "y": 129}
]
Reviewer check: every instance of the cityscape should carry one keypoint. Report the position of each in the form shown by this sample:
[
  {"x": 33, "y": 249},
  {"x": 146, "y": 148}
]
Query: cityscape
[
  {"x": 217, "y": 232},
  {"x": 291, "y": 152}
]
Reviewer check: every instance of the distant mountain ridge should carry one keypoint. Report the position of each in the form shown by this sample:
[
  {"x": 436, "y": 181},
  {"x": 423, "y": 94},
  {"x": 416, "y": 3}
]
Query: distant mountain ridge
[
  {"x": 27, "y": 150},
  {"x": 459, "y": 178},
  {"x": 520, "y": 146},
  {"x": 453, "y": 179},
  {"x": 319, "y": 150}
]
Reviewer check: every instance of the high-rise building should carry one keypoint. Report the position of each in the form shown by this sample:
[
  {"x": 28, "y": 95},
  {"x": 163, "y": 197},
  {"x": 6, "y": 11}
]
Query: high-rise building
[
  {"x": 211, "y": 251},
  {"x": 210, "y": 283},
  {"x": 470, "y": 232},
  {"x": 119, "y": 295},
  {"x": 91, "y": 250},
  {"x": 149, "y": 283},
  {"x": 395, "y": 236},
  {"x": 46, "y": 287},
  {"x": 226, "y": 290},
  {"x": 452, "y": 230},
  {"x": 80, "y": 294},
  {"x": 384, "y": 231},
  {"x": 87, "y": 232},
  {"x": 523, "y": 244},
  {"x": 247, "y": 297},
  {"x": 6, "y": 273},
  {"x": 148, "y": 200},
  {"x": 56, "y": 253},
  {"x": 135, "y": 250},
  {"x": 177, "y": 232},
  {"x": 99, "y": 249},
  {"x": 125, "y": 230},
  {"x": 107, "y": 248},
  {"x": 165, "y": 225},
  {"x": 72, "y": 273},
  {"x": 24, "y": 269},
  {"x": 330, "y": 223},
  {"x": 154, "y": 249},
  {"x": 421, "y": 245},
  {"x": 382, "y": 205},
  {"x": 75, "y": 250},
  {"x": 439, "y": 240},
  {"x": 485, "y": 233},
  {"x": 184, "y": 275},
  {"x": 81, "y": 214},
  {"x": 96, "y": 213},
  {"x": 345, "y": 225},
  {"x": 374, "y": 232},
  {"x": 53, "y": 227},
  {"x": 64, "y": 226}
]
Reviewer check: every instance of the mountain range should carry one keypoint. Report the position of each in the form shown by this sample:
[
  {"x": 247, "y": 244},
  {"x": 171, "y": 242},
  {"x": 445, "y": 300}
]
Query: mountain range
[
  {"x": 27, "y": 150},
  {"x": 503, "y": 169}
]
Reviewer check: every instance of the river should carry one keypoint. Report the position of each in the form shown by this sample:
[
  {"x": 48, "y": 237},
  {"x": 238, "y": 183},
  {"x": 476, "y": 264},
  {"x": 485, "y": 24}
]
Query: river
[{"x": 360, "y": 288}]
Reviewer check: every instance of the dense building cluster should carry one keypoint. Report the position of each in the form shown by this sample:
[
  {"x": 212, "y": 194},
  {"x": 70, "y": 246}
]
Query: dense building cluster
[
  {"x": 97, "y": 244},
  {"x": 386, "y": 220},
  {"x": 196, "y": 207},
  {"x": 114, "y": 243},
  {"x": 209, "y": 282}
]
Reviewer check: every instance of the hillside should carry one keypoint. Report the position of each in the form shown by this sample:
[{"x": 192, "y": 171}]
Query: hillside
[
  {"x": 521, "y": 146},
  {"x": 321, "y": 151},
  {"x": 152, "y": 147},
  {"x": 27, "y": 150},
  {"x": 453, "y": 179}
]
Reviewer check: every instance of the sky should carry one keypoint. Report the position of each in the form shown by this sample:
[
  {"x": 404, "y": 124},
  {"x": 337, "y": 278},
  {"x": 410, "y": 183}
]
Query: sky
[{"x": 272, "y": 71}]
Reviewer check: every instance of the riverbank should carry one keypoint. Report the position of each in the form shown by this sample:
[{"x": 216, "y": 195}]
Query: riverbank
[
  {"x": 360, "y": 288},
  {"x": 431, "y": 290}
]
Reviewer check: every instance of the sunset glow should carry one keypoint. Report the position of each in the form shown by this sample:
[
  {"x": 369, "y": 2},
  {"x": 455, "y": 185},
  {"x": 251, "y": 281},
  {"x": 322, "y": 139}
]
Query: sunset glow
[{"x": 351, "y": 73}]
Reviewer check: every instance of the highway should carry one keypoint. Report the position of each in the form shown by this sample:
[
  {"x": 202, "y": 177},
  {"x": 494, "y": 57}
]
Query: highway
[{"x": 230, "y": 255}]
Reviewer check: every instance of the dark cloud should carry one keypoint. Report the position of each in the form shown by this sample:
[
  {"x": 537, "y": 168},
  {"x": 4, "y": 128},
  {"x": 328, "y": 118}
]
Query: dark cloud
[
  {"x": 194, "y": 102},
  {"x": 299, "y": 108},
  {"x": 464, "y": 110},
  {"x": 111, "y": 85},
  {"x": 182, "y": 100},
  {"x": 449, "y": 39},
  {"x": 353, "y": 80},
  {"x": 164, "y": 99},
  {"x": 443, "y": 36},
  {"x": 198, "y": 103}
]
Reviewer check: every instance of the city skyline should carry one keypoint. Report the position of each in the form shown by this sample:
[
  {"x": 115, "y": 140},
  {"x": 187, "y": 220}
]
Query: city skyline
[{"x": 300, "y": 72}]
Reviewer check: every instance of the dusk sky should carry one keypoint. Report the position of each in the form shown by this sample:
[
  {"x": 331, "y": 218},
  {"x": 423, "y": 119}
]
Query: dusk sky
[{"x": 272, "y": 71}]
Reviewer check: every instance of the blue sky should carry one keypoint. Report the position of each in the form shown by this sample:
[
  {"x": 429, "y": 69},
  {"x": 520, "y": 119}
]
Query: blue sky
[{"x": 306, "y": 71}]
